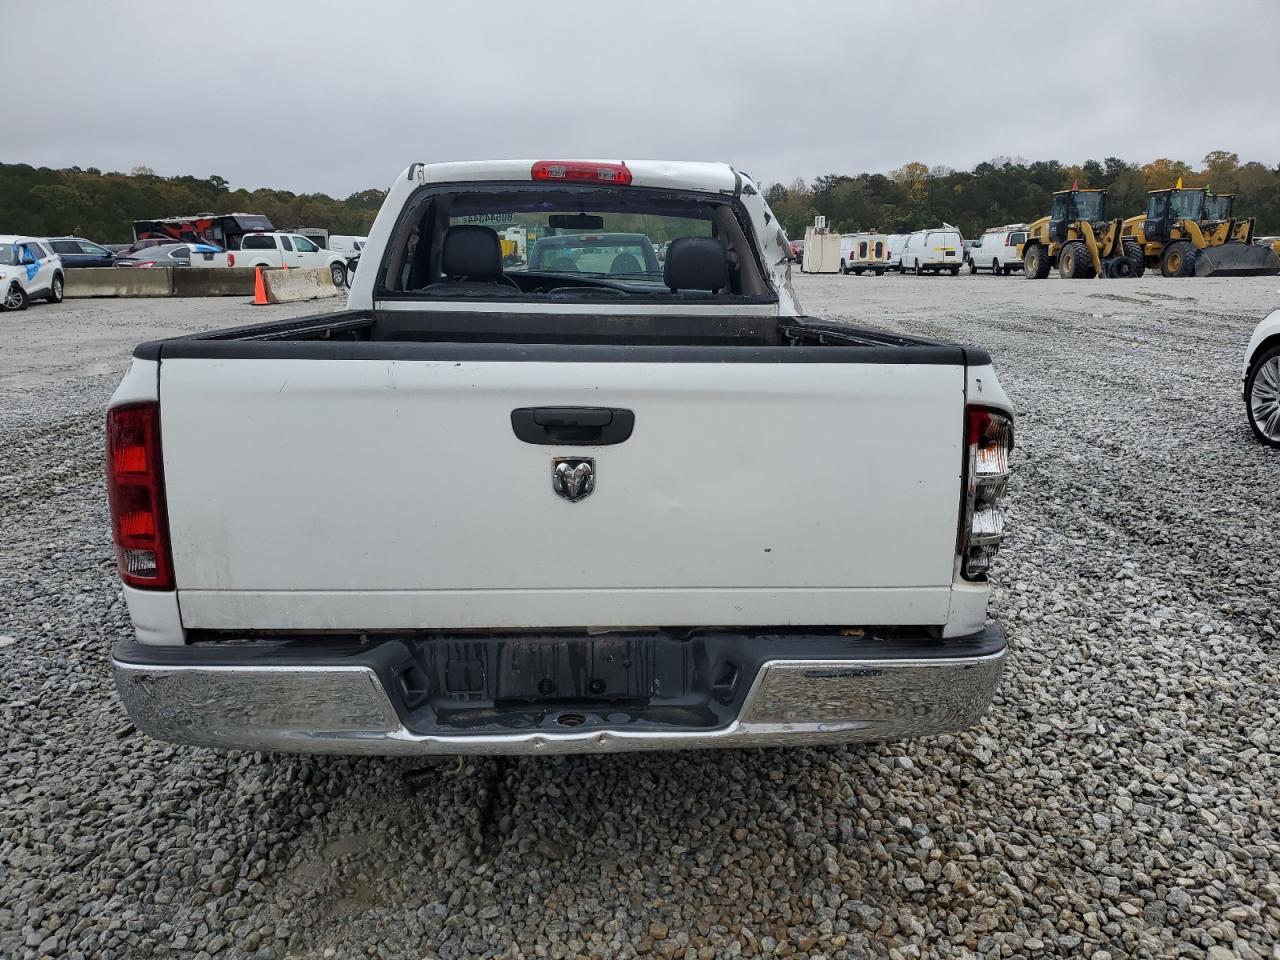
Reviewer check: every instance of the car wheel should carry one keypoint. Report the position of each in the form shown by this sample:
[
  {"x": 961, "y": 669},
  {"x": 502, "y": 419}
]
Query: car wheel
[
  {"x": 973, "y": 266},
  {"x": 995, "y": 268},
  {"x": 880, "y": 273},
  {"x": 919, "y": 272},
  {"x": 955, "y": 271},
  {"x": 55, "y": 289},
  {"x": 339, "y": 274},
  {"x": 1262, "y": 397},
  {"x": 15, "y": 297}
]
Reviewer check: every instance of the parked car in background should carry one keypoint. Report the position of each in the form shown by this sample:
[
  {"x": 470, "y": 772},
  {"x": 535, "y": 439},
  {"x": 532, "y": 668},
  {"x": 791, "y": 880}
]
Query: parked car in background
[
  {"x": 129, "y": 249},
  {"x": 860, "y": 252},
  {"x": 29, "y": 270},
  {"x": 178, "y": 255},
  {"x": 933, "y": 251},
  {"x": 347, "y": 246},
  {"x": 997, "y": 249},
  {"x": 1262, "y": 380},
  {"x": 291, "y": 250},
  {"x": 968, "y": 248},
  {"x": 79, "y": 252}
]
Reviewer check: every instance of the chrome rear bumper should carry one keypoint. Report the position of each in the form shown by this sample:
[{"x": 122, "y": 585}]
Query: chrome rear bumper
[{"x": 300, "y": 707}]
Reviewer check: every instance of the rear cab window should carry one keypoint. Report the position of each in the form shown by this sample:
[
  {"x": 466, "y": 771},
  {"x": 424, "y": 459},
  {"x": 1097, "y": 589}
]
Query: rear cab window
[
  {"x": 562, "y": 241},
  {"x": 258, "y": 241}
]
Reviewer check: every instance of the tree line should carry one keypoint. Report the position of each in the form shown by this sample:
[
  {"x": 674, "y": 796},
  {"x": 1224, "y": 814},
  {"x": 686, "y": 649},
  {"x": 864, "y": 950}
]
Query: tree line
[
  {"x": 1006, "y": 190},
  {"x": 102, "y": 206}
]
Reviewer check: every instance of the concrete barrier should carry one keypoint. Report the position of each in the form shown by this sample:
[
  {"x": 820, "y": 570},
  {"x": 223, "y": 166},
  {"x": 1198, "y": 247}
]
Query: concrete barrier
[
  {"x": 119, "y": 282},
  {"x": 291, "y": 286},
  {"x": 213, "y": 282}
]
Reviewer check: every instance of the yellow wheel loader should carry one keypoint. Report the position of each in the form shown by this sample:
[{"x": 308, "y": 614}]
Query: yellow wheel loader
[
  {"x": 1190, "y": 232},
  {"x": 1078, "y": 237}
]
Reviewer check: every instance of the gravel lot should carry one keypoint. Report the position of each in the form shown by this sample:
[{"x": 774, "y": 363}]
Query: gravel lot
[{"x": 1118, "y": 801}]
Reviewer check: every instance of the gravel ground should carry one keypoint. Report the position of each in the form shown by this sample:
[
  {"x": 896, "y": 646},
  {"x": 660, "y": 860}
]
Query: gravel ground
[{"x": 1118, "y": 801}]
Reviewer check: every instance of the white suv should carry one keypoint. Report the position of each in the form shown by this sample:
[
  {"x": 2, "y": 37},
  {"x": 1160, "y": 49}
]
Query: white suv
[{"x": 29, "y": 270}]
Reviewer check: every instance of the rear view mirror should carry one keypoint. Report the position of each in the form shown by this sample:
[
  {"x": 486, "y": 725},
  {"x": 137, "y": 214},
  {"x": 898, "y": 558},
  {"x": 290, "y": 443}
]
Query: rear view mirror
[{"x": 575, "y": 221}]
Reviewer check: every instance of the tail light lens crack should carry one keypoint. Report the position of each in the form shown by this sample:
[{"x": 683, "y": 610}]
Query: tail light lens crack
[{"x": 989, "y": 441}]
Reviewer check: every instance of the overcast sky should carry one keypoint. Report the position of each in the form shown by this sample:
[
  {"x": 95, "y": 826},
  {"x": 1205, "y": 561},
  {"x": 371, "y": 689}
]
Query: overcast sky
[{"x": 317, "y": 95}]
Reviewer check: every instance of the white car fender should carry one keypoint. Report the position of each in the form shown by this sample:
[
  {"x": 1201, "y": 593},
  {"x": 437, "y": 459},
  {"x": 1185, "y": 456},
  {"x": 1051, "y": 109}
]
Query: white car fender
[{"x": 1264, "y": 331}]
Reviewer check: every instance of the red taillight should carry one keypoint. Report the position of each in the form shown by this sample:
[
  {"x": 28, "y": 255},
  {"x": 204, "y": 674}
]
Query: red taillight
[
  {"x": 135, "y": 487},
  {"x": 578, "y": 172},
  {"x": 231, "y": 259},
  {"x": 988, "y": 438},
  {"x": 145, "y": 264}
]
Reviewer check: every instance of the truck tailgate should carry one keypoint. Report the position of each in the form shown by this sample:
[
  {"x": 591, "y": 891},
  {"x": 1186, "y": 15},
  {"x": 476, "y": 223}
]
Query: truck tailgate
[{"x": 335, "y": 494}]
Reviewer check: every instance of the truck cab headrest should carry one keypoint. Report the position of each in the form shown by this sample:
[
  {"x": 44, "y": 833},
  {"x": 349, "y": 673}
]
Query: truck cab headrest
[
  {"x": 471, "y": 252},
  {"x": 696, "y": 263}
]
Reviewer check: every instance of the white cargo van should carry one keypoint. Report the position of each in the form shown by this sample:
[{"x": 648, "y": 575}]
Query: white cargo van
[
  {"x": 997, "y": 250},
  {"x": 895, "y": 243},
  {"x": 933, "y": 250},
  {"x": 347, "y": 246},
  {"x": 860, "y": 252}
]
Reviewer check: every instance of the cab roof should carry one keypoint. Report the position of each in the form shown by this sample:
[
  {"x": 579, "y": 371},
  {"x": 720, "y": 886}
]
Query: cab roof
[{"x": 673, "y": 174}]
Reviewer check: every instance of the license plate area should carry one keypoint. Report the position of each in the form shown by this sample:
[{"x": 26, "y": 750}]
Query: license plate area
[
  {"x": 610, "y": 671},
  {"x": 556, "y": 681}
]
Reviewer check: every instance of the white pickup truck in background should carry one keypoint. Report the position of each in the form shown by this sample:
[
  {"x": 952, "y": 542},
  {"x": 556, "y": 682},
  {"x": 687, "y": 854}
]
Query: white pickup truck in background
[
  {"x": 288, "y": 249},
  {"x": 585, "y": 505}
]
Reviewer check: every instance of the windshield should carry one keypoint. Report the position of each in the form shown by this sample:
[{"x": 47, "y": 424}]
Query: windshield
[
  {"x": 1088, "y": 206},
  {"x": 591, "y": 242},
  {"x": 1186, "y": 204},
  {"x": 8, "y": 255},
  {"x": 1217, "y": 206},
  {"x": 628, "y": 255}
]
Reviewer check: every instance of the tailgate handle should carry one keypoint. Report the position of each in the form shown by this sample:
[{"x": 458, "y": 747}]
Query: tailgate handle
[{"x": 592, "y": 426}]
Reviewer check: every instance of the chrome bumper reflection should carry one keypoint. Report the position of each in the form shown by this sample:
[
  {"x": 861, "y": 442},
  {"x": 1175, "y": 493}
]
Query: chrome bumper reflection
[{"x": 346, "y": 710}]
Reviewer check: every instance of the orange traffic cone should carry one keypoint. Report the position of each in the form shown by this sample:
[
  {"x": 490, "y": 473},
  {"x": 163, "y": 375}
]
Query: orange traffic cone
[{"x": 259, "y": 289}]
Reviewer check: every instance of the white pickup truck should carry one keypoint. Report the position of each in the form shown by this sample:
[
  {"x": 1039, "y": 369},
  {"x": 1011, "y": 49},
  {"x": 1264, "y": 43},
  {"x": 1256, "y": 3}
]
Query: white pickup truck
[
  {"x": 597, "y": 504},
  {"x": 288, "y": 249}
]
